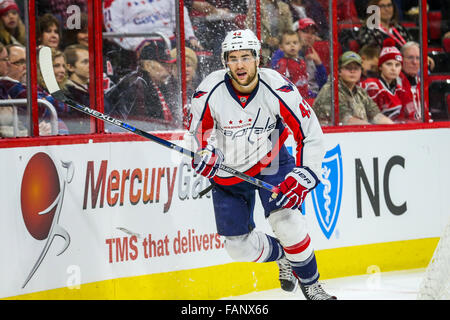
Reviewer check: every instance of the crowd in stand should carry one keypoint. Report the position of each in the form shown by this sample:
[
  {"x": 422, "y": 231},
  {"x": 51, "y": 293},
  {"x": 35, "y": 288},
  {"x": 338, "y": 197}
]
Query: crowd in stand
[
  {"x": 379, "y": 64},
  {"x": 70, "y": 56}
]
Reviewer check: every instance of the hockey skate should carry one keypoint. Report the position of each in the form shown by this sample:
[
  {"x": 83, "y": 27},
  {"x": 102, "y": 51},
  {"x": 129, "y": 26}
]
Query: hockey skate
[
  {"x": 315, "y": 292},
  {"x": 288, "y": 281}
]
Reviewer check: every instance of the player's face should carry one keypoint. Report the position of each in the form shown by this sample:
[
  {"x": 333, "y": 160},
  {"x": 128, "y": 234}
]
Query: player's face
[
  {"x": 242, "y": 65},
  {"x": 390, "y": 70},
  {"x": 290, "y": 45}
]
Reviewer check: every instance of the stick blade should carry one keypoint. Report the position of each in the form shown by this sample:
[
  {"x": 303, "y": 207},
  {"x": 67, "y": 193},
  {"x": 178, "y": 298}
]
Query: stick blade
[{"x": 46, "y": 66}]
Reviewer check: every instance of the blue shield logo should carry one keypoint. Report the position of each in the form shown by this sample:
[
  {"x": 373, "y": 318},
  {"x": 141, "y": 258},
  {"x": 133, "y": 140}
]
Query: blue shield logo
[{"x": 327, "y": 195}]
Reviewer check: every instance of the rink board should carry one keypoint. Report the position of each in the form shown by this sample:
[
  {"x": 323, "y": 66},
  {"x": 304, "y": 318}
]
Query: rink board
[{"x": 130, "y": 224}]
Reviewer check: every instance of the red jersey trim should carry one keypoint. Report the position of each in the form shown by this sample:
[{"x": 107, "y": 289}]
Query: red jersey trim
[
  {"x": 206, "y": 124},
  {"x": 294, "y": 124}
]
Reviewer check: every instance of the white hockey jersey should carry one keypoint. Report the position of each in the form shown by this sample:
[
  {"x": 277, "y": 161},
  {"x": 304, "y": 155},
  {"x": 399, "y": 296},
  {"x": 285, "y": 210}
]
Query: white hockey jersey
[
  {"x": 139, "y": 16},
  {"x": 251, "y": 130}
]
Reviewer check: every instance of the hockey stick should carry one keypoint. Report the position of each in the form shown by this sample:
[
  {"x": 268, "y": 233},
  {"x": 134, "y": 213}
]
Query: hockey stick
[{"x": 46, "y": 66}]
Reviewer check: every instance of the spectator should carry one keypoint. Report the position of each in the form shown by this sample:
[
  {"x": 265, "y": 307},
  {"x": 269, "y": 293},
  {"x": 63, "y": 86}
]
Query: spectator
[
  {"x": 77, "y": 86},
  {"x": 123, "y": 16},
  {"x": 7, "y": 112},
  {"x": 409, "y": 77},
  {"x": 3, "y": 60},
  {"x": 78, "y": 35},
  {"x": 276, "y": 18},
  {"x": 191, "y": 69},
  {"x": 62, "y": 109},
  {"x": 144, "y": 98},
  {"x": 291, "y": 65},
  {"x": 48, "y": 31},
  {"x": 59, "y": 68},
  {"x": 311, "y": 9},
  {"x": 392, "y": 100},
  {"x": 77, "y": 63},
  {"x": 317, "y": 73},
  {"x": 192, "y": 79},
  {"x": 369, "y": 55},
  {"x": 13, "y": 87},
  {"x": 12, "y": 29},
  {"x": 355, "y": 105},
  {"x": 17, "y": 68},
  {"x": 117, "y": 61},
  {"x": 389, "y": 26}
]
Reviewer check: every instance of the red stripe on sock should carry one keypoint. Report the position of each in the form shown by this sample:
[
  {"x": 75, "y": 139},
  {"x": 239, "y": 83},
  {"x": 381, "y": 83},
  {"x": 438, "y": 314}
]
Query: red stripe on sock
[
  {"x": 259, "y": 255},
  {"x": 299, "y": 247}
]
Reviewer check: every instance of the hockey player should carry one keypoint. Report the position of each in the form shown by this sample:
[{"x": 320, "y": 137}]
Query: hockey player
[{"x": 237, "y": 118}]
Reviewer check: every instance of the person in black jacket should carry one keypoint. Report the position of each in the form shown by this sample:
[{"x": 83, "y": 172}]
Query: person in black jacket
[
  {"x": 389, "y": 26},
  {"x": 148, "y": 97}
]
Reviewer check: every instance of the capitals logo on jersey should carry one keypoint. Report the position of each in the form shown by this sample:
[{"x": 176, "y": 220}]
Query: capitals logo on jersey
[
  {"x": 327, "y": 196},
  {"x": 286, "y": 88},
  {"x": 198, "y": 94}
]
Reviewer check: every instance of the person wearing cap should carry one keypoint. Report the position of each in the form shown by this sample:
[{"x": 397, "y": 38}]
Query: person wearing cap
[
  {"x": 312, "y": 9},
  {"x": 355, "y": 105},
  {"x": 392, "y": 99},
  {"x": 12, "y": 29},
  {"x": 146, "y": 98},
  {"x": 317, "y": 73}
]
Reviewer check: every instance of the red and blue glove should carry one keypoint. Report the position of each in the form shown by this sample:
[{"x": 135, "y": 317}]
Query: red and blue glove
[
  {"x": 295, "y": 187},
  {"x": 206, "y": 161}
]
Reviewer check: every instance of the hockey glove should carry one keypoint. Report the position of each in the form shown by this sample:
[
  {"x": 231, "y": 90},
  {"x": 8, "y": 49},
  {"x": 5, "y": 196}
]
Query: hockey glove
[
  {"x": 206, "y": 161},
  {"x": 295, "y": 187}
]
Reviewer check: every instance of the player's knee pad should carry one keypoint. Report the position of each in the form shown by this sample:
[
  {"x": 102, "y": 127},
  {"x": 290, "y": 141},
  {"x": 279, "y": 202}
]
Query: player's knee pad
[
  {"x": 248, "y": 247},
  {"x": 290, "y": 228}
]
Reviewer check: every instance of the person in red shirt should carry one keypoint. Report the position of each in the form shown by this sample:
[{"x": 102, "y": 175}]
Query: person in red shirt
[
  {"x": 409, "y": 77},
  {"x": 291, "y": 65},
  {"x": 392, "y": 99}
]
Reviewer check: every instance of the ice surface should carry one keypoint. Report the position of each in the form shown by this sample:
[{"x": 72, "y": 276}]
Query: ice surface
[{"x": 396, "y": 285}]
